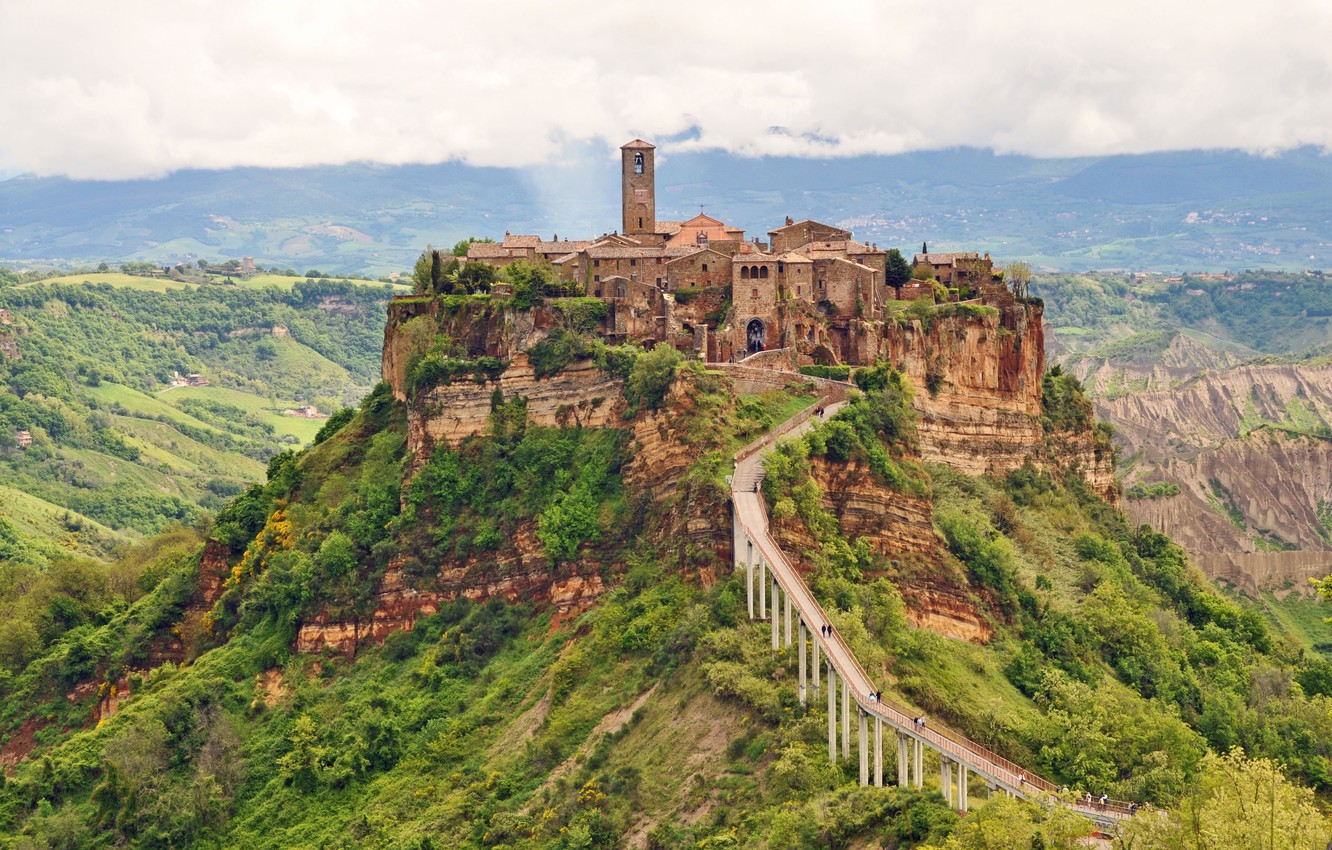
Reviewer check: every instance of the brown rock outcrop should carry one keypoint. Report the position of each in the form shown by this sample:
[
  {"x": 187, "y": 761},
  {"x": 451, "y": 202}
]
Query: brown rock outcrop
[
  {"x": 580, "y": 394},
  {"x": 978, "y": 386}
]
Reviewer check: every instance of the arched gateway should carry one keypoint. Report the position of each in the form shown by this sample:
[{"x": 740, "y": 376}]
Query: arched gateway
[{"x": 756, "y": 336}]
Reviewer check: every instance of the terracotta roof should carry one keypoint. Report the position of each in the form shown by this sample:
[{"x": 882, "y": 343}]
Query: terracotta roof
[
  {"x": 667, "y": 228},
  {"x": 487, "y": 250},
  {"x": 945, "y": 259},
  {"x": 567, "y": 258},
  {"x": 794, "y": 257},
  {"x": 803, "y": 224},
  {"x": 520, "y": 241},
  {"x": 701, "y": 220},
  {"x": 563, "y": 246},
  {"x": 637, "y": 144},
  {"x": 848, "y": 262},
  {"x": 615, "y": 252}
]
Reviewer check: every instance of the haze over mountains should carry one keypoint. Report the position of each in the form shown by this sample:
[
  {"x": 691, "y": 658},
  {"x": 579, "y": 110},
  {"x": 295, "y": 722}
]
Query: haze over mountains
[{"x": 1191, "y": 210}]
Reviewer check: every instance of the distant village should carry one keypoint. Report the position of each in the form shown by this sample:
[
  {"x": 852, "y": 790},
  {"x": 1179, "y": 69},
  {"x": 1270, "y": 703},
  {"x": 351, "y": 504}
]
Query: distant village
[{"x": 801, "y": 288}]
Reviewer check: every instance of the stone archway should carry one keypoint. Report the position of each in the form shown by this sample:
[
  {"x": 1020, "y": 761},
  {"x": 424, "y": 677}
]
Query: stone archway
[{"x": 756, "y": 336}]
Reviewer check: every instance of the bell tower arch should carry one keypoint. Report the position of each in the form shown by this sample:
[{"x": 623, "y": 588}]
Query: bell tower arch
[{"x": 638, "y": 188}]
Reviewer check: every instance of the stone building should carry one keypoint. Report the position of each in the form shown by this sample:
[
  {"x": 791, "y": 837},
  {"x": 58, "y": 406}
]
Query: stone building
[{"x": 811, "y": 287}]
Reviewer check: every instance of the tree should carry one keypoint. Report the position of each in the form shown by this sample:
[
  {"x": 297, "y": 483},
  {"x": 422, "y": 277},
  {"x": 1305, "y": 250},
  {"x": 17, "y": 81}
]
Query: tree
[
  {"x": 1019, "y": 277},
  {"x": 897, "y": 271},
  {"x": 1234, "y": 802}
]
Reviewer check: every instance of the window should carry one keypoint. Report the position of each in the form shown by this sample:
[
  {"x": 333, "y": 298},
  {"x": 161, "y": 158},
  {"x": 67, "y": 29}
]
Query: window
[
  {"x": 705, "y": 268},
  {"x": 753, "y": 293},
  {"x": 640, "y": 222},
  {"x": 798, "y": 288},
  {"x": 635, "y": 262},
  {"x": 597, "y": 293},
  {"x": 638, "y": 167},
  {"x": 597, "y": 263},
  {"x": 781, "y": 267},
  {"x": 821, "y": 284},
  {"x": 763, "y": 272},
  {"x": 597, "y": 278},
  {"x": 744, "y": 272}
]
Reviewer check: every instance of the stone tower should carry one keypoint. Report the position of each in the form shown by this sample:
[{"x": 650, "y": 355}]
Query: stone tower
[{"x": 638, "y": 189}]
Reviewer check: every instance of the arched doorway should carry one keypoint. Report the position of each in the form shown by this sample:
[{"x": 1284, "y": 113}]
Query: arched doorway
[{"x": 756, "y": 336}]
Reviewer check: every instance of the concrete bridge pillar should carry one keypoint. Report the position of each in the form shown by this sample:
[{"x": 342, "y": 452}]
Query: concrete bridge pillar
[
  {"x": 800, "y": 651},
  {"x": 962, "y": 788},
  {"x": 917, "y": 764},
  {"x": 749, "y": 575},
  {"x": 864, "y": 746},
  {"x": 776, "y": 614},
  {"x": 846, "y": 719},
  {"x": 946, "y": 778},
  {"x": 903, "y": 760},
  {"x": 878, "y": 752},
  {"x": 832, "y": 714},
  {"x": 788, "y": 620},
  {"x": 814, "y": 651},
  {"x": 763, "y": 588}
]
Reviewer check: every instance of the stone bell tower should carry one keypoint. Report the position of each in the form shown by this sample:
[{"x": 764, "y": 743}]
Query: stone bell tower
[{"x": 638, "y": 189}]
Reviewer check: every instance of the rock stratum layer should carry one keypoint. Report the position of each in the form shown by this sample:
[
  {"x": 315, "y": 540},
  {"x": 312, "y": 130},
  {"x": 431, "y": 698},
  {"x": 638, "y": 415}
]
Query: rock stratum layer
[{"x": 1244, "y": 447}]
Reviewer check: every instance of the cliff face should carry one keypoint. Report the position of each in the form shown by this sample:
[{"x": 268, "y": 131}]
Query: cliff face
[
  {"x": 978, "y": 385},
  {"x": 580, "y": 394},
  {"x": 1249, "y": 485}
]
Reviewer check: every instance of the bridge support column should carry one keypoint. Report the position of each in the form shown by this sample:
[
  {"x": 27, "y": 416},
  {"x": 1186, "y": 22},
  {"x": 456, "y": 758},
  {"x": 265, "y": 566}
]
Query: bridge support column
[
  {"x": 832, "y": 714},
  {"x": 903, "y": 760},
  {"x": 864, "y": 746},
  {"x": 814, "y": 651},
  {"x": 788, "y": 620},
  {"x": 763, "y": 588},
  {"x": 749, "y": 575},
  {"x": 917, "y": 764},
  {"x": 800, "y": 651},
  {"x": 878, "y": 752},
  {"x": 946, "y": 779},
  {"x": 962, "y": 788},
  {"x": 776, "y": 613},
  {"x": 846, "y": 719}
]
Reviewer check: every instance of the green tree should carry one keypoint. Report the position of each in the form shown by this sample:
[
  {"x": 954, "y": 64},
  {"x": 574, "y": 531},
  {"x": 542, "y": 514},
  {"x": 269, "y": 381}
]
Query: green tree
[
  {"x": 897, "y": 271},
  {"x": 1235, "y": 802},
  {"x": 1019, "y": 278},
  {"x": 651, "y": 377}
]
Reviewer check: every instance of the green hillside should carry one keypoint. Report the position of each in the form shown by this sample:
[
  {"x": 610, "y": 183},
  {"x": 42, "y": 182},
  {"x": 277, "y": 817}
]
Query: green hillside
[
  {"x": 120, "y": 447},
  {"x": 660, "y": 717}
]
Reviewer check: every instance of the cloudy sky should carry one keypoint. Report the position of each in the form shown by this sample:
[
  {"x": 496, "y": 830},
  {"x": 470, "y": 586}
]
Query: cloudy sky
[{"x": 117, "y": 90}]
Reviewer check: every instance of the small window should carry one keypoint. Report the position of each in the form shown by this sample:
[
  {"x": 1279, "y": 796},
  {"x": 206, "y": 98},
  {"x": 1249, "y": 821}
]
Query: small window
[
  {"x": 596, "y": 277},
  {"x": 633, "y": 262},
  {"x": 798, "y": 288},
  {"x": 638, "y": 169},
  {"x": 781, "y": 267},
  {"x": 705, "y": 268},
  {"x": 640, "y": 222},
  {"x": 821, "y": 284},
  {"x": 597, "y": 293},
  {"x": 763, "y": 272},
  {"x": 597, "y": 263},
  {"x": 744, "y": 272},
  {"x": 753, "y": 293}
]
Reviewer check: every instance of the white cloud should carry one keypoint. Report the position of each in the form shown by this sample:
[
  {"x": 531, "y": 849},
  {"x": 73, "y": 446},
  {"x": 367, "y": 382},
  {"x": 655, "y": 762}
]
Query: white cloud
[{"x": 124, "y": 90}]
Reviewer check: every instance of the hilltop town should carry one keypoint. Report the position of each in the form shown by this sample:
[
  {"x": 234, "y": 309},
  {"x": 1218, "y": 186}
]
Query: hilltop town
[{"x": 701, "y": 285}]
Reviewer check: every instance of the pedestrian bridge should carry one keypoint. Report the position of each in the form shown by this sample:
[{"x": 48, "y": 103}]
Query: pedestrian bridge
[{"x": 776, "y": 592}]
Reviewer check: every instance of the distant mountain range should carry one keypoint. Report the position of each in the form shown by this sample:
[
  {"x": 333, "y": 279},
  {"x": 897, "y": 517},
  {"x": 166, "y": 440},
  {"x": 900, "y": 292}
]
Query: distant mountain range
[{"x": 1191, "y": 210}]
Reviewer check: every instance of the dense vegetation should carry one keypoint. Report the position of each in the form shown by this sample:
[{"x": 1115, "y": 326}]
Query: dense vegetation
[
  {"x": 115, "y": 451},
  {"x": 662, "y": 711}
]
